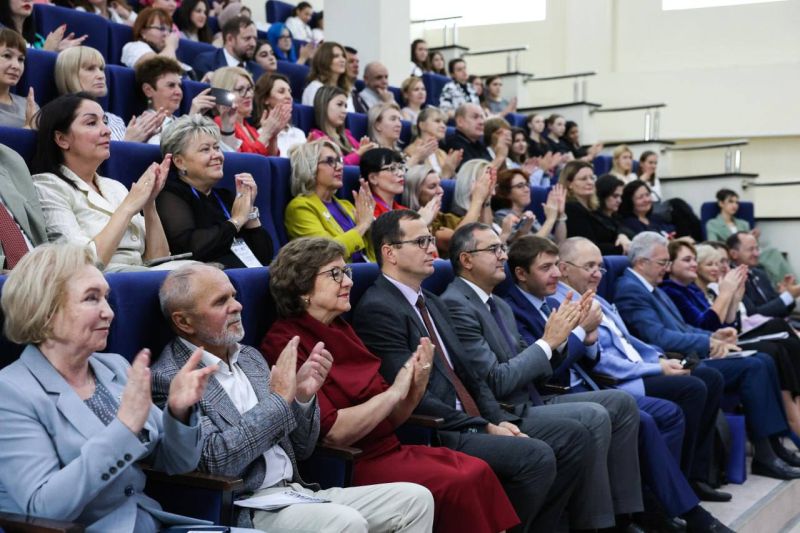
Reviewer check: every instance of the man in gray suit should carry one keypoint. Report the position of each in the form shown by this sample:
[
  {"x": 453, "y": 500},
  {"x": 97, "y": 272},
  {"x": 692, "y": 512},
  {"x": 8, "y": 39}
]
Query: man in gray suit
[
  {"x": 19, "y": 200},
  {"x": 487, "y": 329},
  {"x": 257, "y": 424}
]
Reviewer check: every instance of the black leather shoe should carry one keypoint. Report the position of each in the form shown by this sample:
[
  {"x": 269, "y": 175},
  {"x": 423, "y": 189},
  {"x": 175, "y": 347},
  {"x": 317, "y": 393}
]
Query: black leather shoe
[
  {"x": 788, "y": 457},
  {"x": 775, "y": 469},
  {"x": 671, "y": 525},
  {"x": 714, "y": 527},
  {"x": 707, "y": 493}
]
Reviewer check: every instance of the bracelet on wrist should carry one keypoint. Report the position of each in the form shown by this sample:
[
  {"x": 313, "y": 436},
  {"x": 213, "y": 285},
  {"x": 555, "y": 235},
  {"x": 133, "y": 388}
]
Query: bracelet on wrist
[
  {"x": 236, "y": 224},
  {"x": 562, "y": 218},
  {"x": 226, "y": 133}
]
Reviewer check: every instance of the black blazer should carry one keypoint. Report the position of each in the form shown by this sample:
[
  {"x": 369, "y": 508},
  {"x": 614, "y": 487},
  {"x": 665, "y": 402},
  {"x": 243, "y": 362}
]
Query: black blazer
[
  {"x": 583, "y": 223},
  {"x": 762, "y": 298},
  {"x": 391, "y": 329}
]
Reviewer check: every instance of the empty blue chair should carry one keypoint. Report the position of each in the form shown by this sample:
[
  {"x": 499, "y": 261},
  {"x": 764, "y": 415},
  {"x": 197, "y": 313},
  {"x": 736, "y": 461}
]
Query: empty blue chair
[
  {"x": 49, "y": 17},
  {"x": 278, "y": 11},
  {"x": 252, "y": 291},
  {"x": 281, "y": 193},
  {"x": 125, "y": 99},
  {"x": 297, "y": 75},
  {"x": 118, "y": 36},
  {"x": 357, "y": 124},
  {"x": 441, "y": 277},
  {"x": 434, "y": 83},
  {"x": 350, "y": 177},
  {"x": 191, "y": 89},
  {"x": 615, "y": 266},
  {"x": 449, "y": 187},
  {"x": 20, "y": 140},
  {"x": 711, "y": 209},
  {"x": 303, "y": 117},
  {"x": 39, "y": 68},
  {"x": 188, "y": 50}
]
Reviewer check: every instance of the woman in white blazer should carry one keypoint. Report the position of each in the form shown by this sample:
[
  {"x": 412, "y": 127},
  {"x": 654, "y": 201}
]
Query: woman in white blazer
[{"x": 75, "y": 422}]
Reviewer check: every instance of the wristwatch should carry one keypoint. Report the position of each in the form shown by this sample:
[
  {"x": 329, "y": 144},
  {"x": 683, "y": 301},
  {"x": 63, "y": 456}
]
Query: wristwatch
[{"x": 253, "y": 214}]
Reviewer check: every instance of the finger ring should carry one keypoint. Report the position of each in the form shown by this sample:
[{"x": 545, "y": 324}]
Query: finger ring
[
  {"x": 407, "y": 366},
  {"x": 238, "y": 195},
  {"x": 426, "y": 366}
]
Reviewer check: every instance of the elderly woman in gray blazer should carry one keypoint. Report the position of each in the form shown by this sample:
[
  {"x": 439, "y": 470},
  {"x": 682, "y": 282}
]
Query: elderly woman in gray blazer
[{"x": 76, "y": 422}]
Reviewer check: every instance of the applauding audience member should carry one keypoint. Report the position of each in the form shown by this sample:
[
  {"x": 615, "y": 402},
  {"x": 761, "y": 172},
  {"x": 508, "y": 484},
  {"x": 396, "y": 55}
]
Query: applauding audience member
[
  {"x": 239, "y": 45},
  {"x": 152, "y": 36},
  {"x": 414, "y": 95},
  {"x": 76, "y": 454},
  {"x": 197, "y": 215},
  {"x": 384, "y": 125},
  {"x": 18, "y": 16},
  {"x": 315, "y": 211},
  {"x": 513, "y": 196},
  {"x": 637, "y": 210},
  {"x": 458, "y": 91},
  {"x": 573, "y": 142},
  {"x": 376, "y": 81},
  {"x": 15, "y": 111},
  {"x": 82, "y": 68},
  {"x": 117, "y": 11},
  {"x": 330, "y": 112},
  {"x": 122, "y": 228},
  {"x": 273, "y": 94},
  {"x": 328, "y": 68},
  {"x": 192, "y": 20},
  {"x": 497, "y": 137},
  {"x": 469, "y": 136},
  {"x": 280, "y": 37},
  {"x": 431, "y": 130},
  {"x": 493, "y": 98}
]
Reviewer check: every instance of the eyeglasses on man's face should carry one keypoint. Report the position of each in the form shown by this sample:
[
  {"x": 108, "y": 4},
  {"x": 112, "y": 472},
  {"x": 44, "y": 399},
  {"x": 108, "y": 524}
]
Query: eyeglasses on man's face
[
  {"x": 663, "y": 263},
  {"x": 331, "y": 161},
  {"x": 338, "y": 273},
  {"x": 423, "y": 242},
  {"x": 497, "y": 249},
  {"x": 589, "y": 268}
]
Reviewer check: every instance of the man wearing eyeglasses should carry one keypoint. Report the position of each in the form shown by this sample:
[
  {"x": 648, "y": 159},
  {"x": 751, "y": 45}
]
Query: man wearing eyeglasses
[
  {"x": 513, "y": 367},
  {"x": 396, "y": 313},
  {"x": 652, "y": 316}
]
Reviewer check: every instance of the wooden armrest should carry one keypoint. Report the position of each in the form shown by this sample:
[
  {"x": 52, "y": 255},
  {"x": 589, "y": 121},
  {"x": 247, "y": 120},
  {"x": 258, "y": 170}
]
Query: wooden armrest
[
  {"x": 194, "y": 479},
  {"x": 340, "y": 452},
  {"x": 604, "y": 379},
  {"x": 18, "y": 523},
  {"x": 556, "y": 389},
  {"x": 432, "y": 422}
]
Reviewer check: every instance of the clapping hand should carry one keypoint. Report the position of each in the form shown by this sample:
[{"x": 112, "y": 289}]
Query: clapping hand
[
  {"x": 135, "y": 403},
  {"x": 188, "y": 386},
  {"x": 283, "y": 378},
  {"x": 30, "y": 109},
  {"x": 313, "y": 372},
  {"x": 365, "y": 206},
  {"x": 562, "y": 321}
]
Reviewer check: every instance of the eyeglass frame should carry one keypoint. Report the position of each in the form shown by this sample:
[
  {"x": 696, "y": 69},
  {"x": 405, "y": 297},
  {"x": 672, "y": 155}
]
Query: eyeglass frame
[
  {"x": 423, "y": 242},
  {"x": 597, "y": 268},
  {"x": 665, "y": 263},
  {"x": 331, "y": 161},
  {"x": 164, "y": 28},
  {"x": 243, "y": 91},
  {"x": 497, "y": 249},
  {"x": 395, "y": 167},
  {"x": 347, "y": 270}
]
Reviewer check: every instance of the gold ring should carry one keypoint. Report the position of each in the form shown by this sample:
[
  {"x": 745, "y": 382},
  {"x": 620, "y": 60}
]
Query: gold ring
[{"x": 426, "y": 366}]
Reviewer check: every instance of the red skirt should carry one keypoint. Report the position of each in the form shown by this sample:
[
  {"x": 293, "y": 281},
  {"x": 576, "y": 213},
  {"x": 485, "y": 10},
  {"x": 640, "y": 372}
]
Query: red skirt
[{"x": 467, "y": 494}]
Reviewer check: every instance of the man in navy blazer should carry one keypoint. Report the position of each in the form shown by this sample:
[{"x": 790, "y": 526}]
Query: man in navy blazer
[
  {"x": 759, "y": 295},
  {"x": 239, "y": 37},
  {"x": 652, "y": 316}
]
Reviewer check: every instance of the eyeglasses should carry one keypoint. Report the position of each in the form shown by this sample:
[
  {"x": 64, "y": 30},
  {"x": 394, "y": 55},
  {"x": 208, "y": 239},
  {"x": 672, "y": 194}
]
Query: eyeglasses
[
  {"x": 244, "y": 91},
  {"x": 159, "y": 28},
  {"x": 285, "y": 37},
  {"x": 664, "y": 263},
  {"x": 395, "y": 168},
  {"x": 332, "y": 162},
  {"x": 590, "y": 269},
  {"x": 423, "y": 242},
  {"x": 338, "y": 273},
  {"x": 496, "y": 249},
  {"x": 520, "y": 185}
]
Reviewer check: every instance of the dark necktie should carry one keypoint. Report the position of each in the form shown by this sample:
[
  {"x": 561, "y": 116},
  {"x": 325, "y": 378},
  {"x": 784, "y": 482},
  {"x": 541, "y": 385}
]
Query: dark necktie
[
  {"x": 14, "y": 246},
  {"x": 501, "y": 325},
  {"x": 469, "y": 405},
  {"x": 753, "y": 278}
]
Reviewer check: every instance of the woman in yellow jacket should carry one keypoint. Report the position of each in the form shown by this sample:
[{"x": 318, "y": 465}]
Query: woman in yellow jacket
[{"x": 315, "y": 211}]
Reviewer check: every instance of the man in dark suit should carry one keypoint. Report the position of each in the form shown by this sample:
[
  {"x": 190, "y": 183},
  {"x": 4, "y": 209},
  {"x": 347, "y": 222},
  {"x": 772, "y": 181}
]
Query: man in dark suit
[
  {"x": 760, "y": 297},
  {"x": 22, "y": 224},
  {"x": 256, "y": 424},
  {"x": 485, "y": 326},
  {"x": 239, "y": 45},
  {"x": 469, "y": 135},
  {"x": 392, "y": 317},
  {"x": 652, "y": 316}
]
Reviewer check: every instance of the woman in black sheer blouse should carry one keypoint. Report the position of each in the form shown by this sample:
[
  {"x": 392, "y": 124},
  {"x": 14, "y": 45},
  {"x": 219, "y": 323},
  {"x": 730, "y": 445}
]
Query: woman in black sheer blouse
[{"x": 213, "y": 223}]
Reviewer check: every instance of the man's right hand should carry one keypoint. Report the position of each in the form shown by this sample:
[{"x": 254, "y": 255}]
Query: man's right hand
[
  {"x": 561, "y": 323},
  {"x": 672, "y": 367}
]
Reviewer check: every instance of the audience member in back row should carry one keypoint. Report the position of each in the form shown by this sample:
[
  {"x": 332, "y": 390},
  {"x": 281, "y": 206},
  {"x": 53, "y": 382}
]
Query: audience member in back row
[
  {"x": 458, "y": 91},
  {"x": 199, "y": 216},
  {"x": 299, "y": 22},
  {"x": 257, "y": 424},
  {"x": 648, "y": 163},
  {"x": 578, "y": 179},
  {"x": 436, "y": 63},
  {"x": 572, "y": 140},
  {"x": 22, "y": 225},
  {"x": 376, "y": 85},
  {"x": 282, "y": 43},
  {"x": 15, "y": 111},
  {"x": 419, "y": 58},
  {"x": 384, "y": 125},
  {"x": 513, "y": 196},
  {"x": 431, "y": 130},
  {"x": 82, "y": 207},
  {"x": 725, "y": 224},
  {"x": 637, "y": 213},
  {"x": 330, "y": 112},
  {"x": 263, "y": 140},
  {"x": 77, "y": 422},
  {"x": 315, "y": 211},
  {"x": 18, "y": 15},
  {"x": 310, "y": 284},
  {"x": 152, "y": 36},
  {"x": 192, "y": 19},
  {"x": 159, "y": 79},
  {"x": 329, "y": 69},
  {"x": 117, "y": 11},
  {"x": 556, "y": 127},
  {"x": 469, "y": 136},
  {"x": 82, "y": 68},
  {"x": 414, "y": 95},
  {"x": 239, "y": 45},
  {"x": 265, "y": 57},
  {"x": 609, "y": 197},
  {"x": 273, "y": 94},
  {"x": 493, "y": 97},
  {"x": 622, "y": 164},
  {"x": 537, "y": 143}
]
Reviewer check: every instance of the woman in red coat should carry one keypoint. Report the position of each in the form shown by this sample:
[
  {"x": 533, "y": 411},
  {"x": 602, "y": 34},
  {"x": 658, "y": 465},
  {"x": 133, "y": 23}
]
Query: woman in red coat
[{"x": 310, "y": 283}]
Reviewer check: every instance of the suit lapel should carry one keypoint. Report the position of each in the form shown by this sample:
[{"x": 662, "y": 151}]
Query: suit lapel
[
  {"x": 257, "y": 372},
  {"x": 494, "y": 337}
]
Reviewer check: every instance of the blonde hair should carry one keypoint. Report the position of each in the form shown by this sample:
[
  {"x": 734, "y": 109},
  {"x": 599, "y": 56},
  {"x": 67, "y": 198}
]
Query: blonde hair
[
  {"x": 225, "y": 77},
  {"x": 375, "y": 115},
  {"x": 706, "y": 252},
  {"x": 68, "y": 67},
  {"x": 415, "y": 178},
  {"x": 305, "y": 159},
  {"x": 616, "y": 154},
  {"x": 467, "y": 174},
  {"x": 35, "y": 290}
]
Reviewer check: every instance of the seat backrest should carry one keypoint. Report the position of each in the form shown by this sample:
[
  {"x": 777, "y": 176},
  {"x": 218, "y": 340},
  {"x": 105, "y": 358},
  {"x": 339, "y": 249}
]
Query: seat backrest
[
  {"x": 357, "y": 124},
  {"x": 188, "y": 50},
  {"x": 138, "y": 322},
  {"x": 350, "y": 177},
  {"x": 364, "y": 275},
  {"x": 39, "y": 68},
  {"x": 517, "y": 120},
  {"x": 95, "y": 27},
  {"x": 602, "y": 164},
  {"x": 20, "y": 140},
  {"x": 118, "y": 36},
  {"x": 405, "y": 133},
  {"x": 398, "y": 96},
  {"x": 449, "y": 187},
  {"x": 129, "y": 160},
  {"x": 297, "y": 75},
  {"x": 711, "y": 209},
  {"x": 258, "y": 311},
  {"x": 278, "y": 11},
  {"x": 303, "y": 117},
  {"x": 434, "y": 83},
  {"x": 615, "y": 267},
  {"x": 441, "y": 277},
  {"x": 125, "y": 99},
  {"x": 538, "y": 197},
  {"x": 281, "y": 193}
]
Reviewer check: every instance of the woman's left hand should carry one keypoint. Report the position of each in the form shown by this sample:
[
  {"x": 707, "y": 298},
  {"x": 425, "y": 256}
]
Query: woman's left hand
[
  {"x": 311, "y": 374},
  {"x": 160, "y": 173},
  {"x": 245, "y": 180},
  {"x": 202, "y": 102},
  {"x": 30, "y": 109},
  {"x": 188, "y": 386},
  {"x": 429, "y": 211}
]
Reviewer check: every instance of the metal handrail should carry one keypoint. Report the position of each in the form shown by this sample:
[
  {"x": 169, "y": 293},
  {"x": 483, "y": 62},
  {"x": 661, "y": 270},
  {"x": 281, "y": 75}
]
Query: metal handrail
[
  {"x": 706, "y": 146},
  {"x": 520, "y": 48},
  {"x": 652, "y": 117},
  {"x": 752, "y": 183},
  {"x": 560, "y": 76},
  {"x": 627, "y": 108},
  {"x": 420, "y": 21},
  {"x": 579, "y": 86}
]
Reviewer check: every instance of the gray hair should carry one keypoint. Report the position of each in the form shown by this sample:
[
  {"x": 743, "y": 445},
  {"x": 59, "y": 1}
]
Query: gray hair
[
  {"x": 375, "y": 114},
  {"x": 176, "y": 292},
  {"x": 467, "y": 174},
  {"x": 415, "y": 177},
  {"x": 178, "y": 133},
  {"x": 642, "y": 245},
  {"x": 706, "y": 252},
  {"x": 305, "y": 158},
  {"x": 567, "y": 251},
  {"x": 464, "y": 239}
]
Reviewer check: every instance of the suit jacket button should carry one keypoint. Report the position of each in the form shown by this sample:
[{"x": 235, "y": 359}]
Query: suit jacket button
[
  {"x": 112, "y": 470},
  {"x": 105, "y": 477},
  {"x": 120, "y": 464},
  {"x": 129, "y": 491},
  {"x": 127, "y": 457}
]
